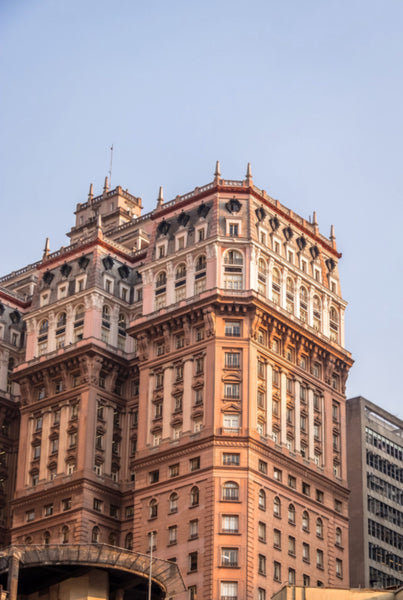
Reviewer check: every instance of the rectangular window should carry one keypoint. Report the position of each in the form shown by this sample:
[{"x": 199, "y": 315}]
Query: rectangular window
[
  {"x": 233, "y": 229},
  {"x": 339, "y": 568},
  {"x": 319, "y": 559},
  {"x": 229, "y": 590},
  {"x": 154, "y": 476},
  {"x": 277, "y": 538},
  {"x": 194, "y": 463},
  {"x": 48, "y": 510},
  {"x": 291, "y": 545},
  {"x": 174, "y": 470},
  {"x": 229, "y": 557},
  {"x": 192, "y": 562},
  {"x": 231, "y": 423},
  {"x": 199, "y": 366},
  {"x": 292, "y": 482},
  {"x": 172, "y": 534},
  {"x": 278, "y": 474},
  {"x": 306, "y": 489},
  {"x": 263, "y": 467},
  {"x": 232, "y": 360},
  {"x": 262, "y": 564},
  {"x": 194, "y": 529},
  {"x": 261, "y": 594},
  {"x": 232, "y": 390},
  {"x": 233, "y": 328},
  {"x": 277, "y": 571},
  {"x": 231, "y": 458},
  {"x": 230, "y": 523},
  {"x": 262, "y": 531},
  {"x": 319, "y": 496},
  {"x": 30, "y": 515},
  {"x": 66, "y": 504},
  {"x": 305, "y": 552},
  {"x": 97, "y": 505},
  {"x": 192, "y": 592}
]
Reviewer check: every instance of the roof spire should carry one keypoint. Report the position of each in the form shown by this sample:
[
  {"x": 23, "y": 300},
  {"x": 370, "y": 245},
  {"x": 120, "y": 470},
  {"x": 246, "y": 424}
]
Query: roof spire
[
  {"x": 333, "y": 237},
  {"x": 46, "y": 250},
  {"x": 160, "y": 200},
  {"x": 249, "y": 173},
  {"x": 91, "y": 192},
  {"x": 314, "y": 220},
  {"x": 217, "y": 173},
  {"x": 106, "y": 185}
]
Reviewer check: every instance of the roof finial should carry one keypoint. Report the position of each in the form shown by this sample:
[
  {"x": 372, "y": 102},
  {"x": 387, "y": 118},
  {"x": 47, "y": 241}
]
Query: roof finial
[
  {"x": 314, "y": 221},
  {"x": 160, "y": 200},
  {"x": 106, "y": 185},
  {"x": 332, "y": 234},
  {"x": 46, "y": 250},
  {"x": 91, "y": 192},
  {"x": 249, "y": 173},
  {"x": 217, "y": 173}
]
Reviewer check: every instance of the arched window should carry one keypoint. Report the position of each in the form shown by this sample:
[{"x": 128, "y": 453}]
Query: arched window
[
  {"x": 65, "y": 535},
  {"x": 46, "y": 538},
  {"x": 277, "y": 507},
  {"x": 317, "y": 313},
  {"x": 180, "y": 282},
  {"x": 79, "y": 323},
  {"x": 28, "y": 540},
  {"x": 261, "y": 276},
  {"x": 96, "y": 534},
  {"x": 129, "y": 541},
  {"x": 160, "y": 290},
  {"x": 233, "y": 270},
  {"x": 305, "y": 521},
  {"x": 200, "y": 274},
  {"x": 173, "y": 503},
  {"x": 275, "y": 286},
  {"x": 230, "y": 491},
  {"x": 303, "y": 304},
  {"x": 338, "y": 536},
  {"x": 291, "y": 514},
  {"x": 43, "y": 337},
  {"x": 194, "y": 496},
  {"x": 106, "y": 323},
  {"x": 334, "y": 324},
  {"x": 153, "y": 509},
  {"x": 112, "y": 539},
  {"x": 122, "y": 324},
  {"x": 262, "y": 500},
  {"x": 290, "y": 295},
  {"x": 319, "y": 528},
  {"x": 60, "y": 330}
]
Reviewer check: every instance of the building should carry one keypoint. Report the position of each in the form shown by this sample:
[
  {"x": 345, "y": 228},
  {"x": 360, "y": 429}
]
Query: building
[
  {"x": 182, "y": 391},
  {"x": 375, "y": 470},
  {"x": 304, "y": 593}
]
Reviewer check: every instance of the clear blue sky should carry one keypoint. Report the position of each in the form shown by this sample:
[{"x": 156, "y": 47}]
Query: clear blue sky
[{"x": 310, "y": 92}]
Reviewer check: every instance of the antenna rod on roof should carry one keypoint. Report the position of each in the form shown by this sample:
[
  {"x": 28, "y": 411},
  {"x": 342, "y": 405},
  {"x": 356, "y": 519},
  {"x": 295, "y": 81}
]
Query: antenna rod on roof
[{"x": 110, "y": 169}]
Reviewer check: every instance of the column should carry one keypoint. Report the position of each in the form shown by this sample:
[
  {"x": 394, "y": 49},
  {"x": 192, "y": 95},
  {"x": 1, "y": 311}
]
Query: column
[
  {"x": 113, "y": 333},
  {"x": 167, "y": 403},
  {"x": 52, "y": 332},
  {"x": 311, "y": 452},
  {"x": 46, "y": 423},
  {"x": 151, "y": 385},
  {"x": 108, "y": 417},
  {"x": 4, "y": 357},
  {"x": 297, "y": 413},
  {"x": 63, "y": 426},
  {"x": 69, "y": 325},
  {"x": 269, "y": 398},
  {"x": 187, "y": 393},
  {"x": 283, "y": 403}
]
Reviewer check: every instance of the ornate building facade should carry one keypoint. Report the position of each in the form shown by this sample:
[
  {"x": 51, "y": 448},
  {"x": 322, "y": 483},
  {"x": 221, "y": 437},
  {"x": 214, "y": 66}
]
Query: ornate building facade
[{"x": 182, "y": 390}]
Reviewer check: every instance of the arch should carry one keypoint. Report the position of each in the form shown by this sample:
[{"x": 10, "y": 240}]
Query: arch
[
  {"x": 161, "y": 279},
  {"x": 180, "y": 271},
  {"x": 317, "y": 313},
  {"x": 334, "y": 324},
  {"x": 194, "y": 496},
  {"x": 276, "y": 278},
  {"x": 61, "y": 320},
  {"x": 153, "y": 509},
  {"x": 95, "y": 535},
  {"x": 230, "y": 490},
  {"x": 173, "y": 502},
  {"x": 200, "y": 263},
  {"x": 290, "y": 287},
  {"x": 339, "y": 538},
  {"x": 291, "y": 513},
  {"x": 277, "y": 507},
  {"x": 43, "y": 327},
  {"x": 262, "y": 499},
  {"x": 262, "y": 266},
  {"x": 275, "y": 285},
  {"x": 129, "y": 541},
  {"x": 112, "y": 539},
  {"x": 122, "y": 323},
  {"x": 106, "y": 313},
  {"x": 79, "y": 312},
  {"x": 303, "y": 304},
  {"x": 28, "y": 540},
  {"x": 233, "y": 257},
  {"x": 65, "y": 534},
  {"x": 319, "y": 527},
  {"x": 261, "y": 276},
  {"x": 303, "y": 294},
  {"x": 46, "y": 538},
  {"x": 305, "y": 520}
]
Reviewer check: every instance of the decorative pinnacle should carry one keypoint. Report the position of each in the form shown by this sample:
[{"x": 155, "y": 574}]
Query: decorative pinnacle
[
  {"x": 314, "y": 220},
  {"x": 91, "y": 192},
  {"x": 46, "y": 249},
  {"x": 160, "y": 200},
  {"x": 217, "y": 169},
  {"x": 332, "y": 234},
  {"x": 106, "y": 185},
  {"x": 99, "y": 221},
  {"x": 248, "y": 173}
]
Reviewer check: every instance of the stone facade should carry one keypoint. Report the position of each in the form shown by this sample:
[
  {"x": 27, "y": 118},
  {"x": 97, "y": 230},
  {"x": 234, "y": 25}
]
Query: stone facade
[{"x": 183, "y": 386}]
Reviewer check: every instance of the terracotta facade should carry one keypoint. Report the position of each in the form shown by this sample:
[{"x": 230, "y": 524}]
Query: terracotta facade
[{"x": 183, "y": 385}]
